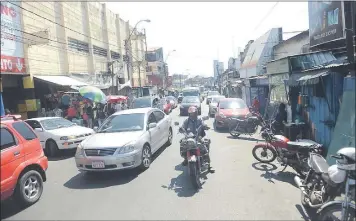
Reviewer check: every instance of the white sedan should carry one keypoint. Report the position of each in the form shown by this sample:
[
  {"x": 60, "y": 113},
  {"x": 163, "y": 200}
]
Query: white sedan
[
  {"x": 127, "y": 139},
  {"x": 57, "y": 133}
]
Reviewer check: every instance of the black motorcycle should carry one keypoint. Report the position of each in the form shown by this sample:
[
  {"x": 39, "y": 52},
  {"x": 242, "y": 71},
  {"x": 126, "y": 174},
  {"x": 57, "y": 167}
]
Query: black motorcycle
[
  {"x": 191, "y": 146},
  {"x": 246, "y": 125}
]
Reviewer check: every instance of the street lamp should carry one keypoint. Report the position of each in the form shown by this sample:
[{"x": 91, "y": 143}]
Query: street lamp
[
  {"x": 128, "y": 46},
  {"x": 164, "y": 67}
]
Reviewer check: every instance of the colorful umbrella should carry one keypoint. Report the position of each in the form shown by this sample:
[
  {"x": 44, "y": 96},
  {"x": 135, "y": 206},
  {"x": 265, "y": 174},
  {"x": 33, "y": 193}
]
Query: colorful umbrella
[
  {"x": 115, "y": 98},
  {"x": 93, "y": 93}
]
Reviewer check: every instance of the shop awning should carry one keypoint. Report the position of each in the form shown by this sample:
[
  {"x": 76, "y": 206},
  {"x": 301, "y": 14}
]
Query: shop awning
[
  {"x": 60, "y": 80},
  {"x": 312, "y": 78}
]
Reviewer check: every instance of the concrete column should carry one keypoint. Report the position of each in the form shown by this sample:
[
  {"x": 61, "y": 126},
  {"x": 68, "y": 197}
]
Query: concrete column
[
  {"x": 130, "y": 52},
  {"x": 105, "y": 31},
  {"x": 143, "y": 62},
  {"x": 91, "y": 63},
  {"x": 123, "y": 72},
  {"x": 137, "y": 61},
  {"x": 62, "y": 34}
]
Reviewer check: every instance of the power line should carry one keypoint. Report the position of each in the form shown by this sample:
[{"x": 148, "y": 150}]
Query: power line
[{"x": 268, "y": 13}]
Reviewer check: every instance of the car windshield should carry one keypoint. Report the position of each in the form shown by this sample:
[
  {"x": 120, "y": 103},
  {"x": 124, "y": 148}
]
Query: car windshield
[
  {"x": 142, "y": 102},
  {"x": 55, "y": 123},
  {"x": 215, "y": 99},
  {"x": 232, "y": 104},
  {"x": 211, "y": 93},
  {"x": 123, "y": 123},
  {"x": 190, "y": 93},
  {"x": 191, "y": 100}
]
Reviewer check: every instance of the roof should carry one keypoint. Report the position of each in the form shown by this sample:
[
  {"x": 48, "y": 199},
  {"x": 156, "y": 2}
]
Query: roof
[
  {"x": 43, "y": 118},
  {"x": 135, "y": 111},
  {"x": 60, "y": 80}
]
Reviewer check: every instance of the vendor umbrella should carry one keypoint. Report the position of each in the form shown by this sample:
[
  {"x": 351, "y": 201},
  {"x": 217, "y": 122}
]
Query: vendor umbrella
[
  {"x": 115, "y": 98},
  {"x": 93, "y": 93}
]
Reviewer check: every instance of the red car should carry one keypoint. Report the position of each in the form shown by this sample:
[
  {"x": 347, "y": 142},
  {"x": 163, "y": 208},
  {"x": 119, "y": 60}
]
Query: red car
[
  {"x": 23, "y": 163},
  {"x": 229, "y": 107}
]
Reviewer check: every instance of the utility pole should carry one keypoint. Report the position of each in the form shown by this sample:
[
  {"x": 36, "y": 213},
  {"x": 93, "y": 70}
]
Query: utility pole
[
  {"x": 127, "y": 59},
  {"x": 350, "y": 32},
  {"x": 180, "y": 81}
]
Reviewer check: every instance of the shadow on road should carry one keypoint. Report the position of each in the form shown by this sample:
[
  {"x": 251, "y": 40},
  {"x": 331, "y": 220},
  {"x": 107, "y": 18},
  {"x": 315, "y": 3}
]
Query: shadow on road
[
  {"x": 63, "y": 155},
  {"x": 307, "y": 214},
  {"x": 10, "y": 208},
  {"x": 282, "y": 176},
  {"x": 181, "y": 184},
  {"x": 244, "y": 138}
]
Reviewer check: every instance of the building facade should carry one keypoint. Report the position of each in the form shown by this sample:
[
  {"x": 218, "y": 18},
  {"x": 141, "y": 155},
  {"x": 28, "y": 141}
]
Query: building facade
[{"x": 218, "y": 68}]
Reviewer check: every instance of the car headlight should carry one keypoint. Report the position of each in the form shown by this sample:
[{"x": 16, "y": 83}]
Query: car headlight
[
  {"x": 80, "y": 150},
  {"x": 64, "y": 138},
  {"x": 125, "y": 149}
]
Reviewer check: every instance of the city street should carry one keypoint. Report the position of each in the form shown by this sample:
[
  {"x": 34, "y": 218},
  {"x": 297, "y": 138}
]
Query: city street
[{"x": 237, "y": 190}]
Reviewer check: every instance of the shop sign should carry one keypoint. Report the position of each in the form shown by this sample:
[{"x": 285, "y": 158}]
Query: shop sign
[
  {"x": 12, "y": 54},
  {"x": 326, "y": 21}
]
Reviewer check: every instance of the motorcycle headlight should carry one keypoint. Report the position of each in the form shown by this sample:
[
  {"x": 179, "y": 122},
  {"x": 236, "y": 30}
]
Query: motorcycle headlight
[
  {"x": 126, "y": 149},
  {"x": 80, "y": 150}
]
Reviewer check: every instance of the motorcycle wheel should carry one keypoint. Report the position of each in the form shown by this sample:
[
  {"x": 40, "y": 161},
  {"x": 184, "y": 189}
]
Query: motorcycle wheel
[
  {"x": 265, "y": 148},
  {"x": 194, "y": 175},
  {"x": 327, "y": 214},
  {"x": 233, "y": 133}
]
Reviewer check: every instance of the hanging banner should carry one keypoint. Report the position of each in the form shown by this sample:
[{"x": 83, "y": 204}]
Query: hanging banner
[{"x": 12, "y": 54}]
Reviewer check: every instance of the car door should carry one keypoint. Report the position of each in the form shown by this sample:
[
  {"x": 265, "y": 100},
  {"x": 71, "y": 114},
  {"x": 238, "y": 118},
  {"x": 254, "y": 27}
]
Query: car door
[
  {"x": 162, "y": 125},
  {"x": 12, "y": 156},
  {"x": 153, "y": 132},
  {"x": 39, "y": 130}
]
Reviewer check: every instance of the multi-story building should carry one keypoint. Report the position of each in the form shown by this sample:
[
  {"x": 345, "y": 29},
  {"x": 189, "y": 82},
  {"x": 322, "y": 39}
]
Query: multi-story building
[
  {"x": 218, "y": 68},
  {"x": 63, "y": 44},
  {"x": 157, "y": 69}
]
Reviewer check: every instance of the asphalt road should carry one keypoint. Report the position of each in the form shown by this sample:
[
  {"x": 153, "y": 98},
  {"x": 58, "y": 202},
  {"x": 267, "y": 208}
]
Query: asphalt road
[{"x": 237, "y": 190}]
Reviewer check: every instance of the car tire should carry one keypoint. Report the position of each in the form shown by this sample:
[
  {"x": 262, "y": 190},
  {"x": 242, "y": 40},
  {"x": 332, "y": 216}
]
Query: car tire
[
  {"x": 29, "y": 181},
  {"x": 215, "y": 127},
  {"x": 51, "y": 149},
  {"x": 170, "y": 137},
  {"x": 146, "y": 155}
]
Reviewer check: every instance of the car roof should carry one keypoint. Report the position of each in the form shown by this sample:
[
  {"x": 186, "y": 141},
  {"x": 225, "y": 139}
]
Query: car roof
[
  {"x": 43, "y": 118},
  {"x": 231, "y": 99},
  {"x": 145, "y": 98},
  {"x": 136, "y": 111}
]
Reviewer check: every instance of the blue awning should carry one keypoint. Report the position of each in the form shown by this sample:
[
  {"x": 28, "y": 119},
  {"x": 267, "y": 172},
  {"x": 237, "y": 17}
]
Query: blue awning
[{"x": 313, "y": 78}]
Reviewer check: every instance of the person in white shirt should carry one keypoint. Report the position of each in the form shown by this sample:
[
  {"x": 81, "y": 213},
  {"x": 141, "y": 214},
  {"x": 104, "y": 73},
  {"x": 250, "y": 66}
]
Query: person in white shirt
[
  {"x": 57, "y": 112},
  {"x": 118, "y": 107}
]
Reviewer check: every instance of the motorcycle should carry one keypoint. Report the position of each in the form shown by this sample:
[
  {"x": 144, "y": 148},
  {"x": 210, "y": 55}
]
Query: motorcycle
[
  {"x": 198, "y": 163},
  {"x": 288, "y": 153},
  {"x": 324, "y": 183}
]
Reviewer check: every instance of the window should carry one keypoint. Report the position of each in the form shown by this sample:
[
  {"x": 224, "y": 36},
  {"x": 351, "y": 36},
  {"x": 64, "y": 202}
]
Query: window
[
  {"x": 77, "y": 45},
  {"x": 7, "y": 139},
  {"x": 24, "y": 130},
  {"x": 123, "y": 123},
  {"x": 151, "y": 119},
  {"x": 115, "y": 55},
  {"x": 100, "y": 51},
  {"x": 159, "y": 115},
  {"x": 34, "y": 124}
]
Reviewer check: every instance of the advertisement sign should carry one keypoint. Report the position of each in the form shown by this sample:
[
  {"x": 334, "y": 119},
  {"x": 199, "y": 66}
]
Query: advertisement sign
[
  {"x": 12, "y": 54},
  {"x": 326, "y": 21}
]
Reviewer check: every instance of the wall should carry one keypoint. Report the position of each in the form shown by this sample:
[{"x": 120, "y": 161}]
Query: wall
[{"x": 292, "y": 46}]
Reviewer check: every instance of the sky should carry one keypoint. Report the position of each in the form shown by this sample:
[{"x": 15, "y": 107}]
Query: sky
[{"x": 203, "y": 31}]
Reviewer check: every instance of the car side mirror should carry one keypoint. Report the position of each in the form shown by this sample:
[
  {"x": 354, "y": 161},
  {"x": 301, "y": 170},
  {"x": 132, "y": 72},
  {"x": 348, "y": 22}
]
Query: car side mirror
[
  {"x": 152, "y": 125},
  {"x": 38, "y": 129},
  {"x": 95, "y": 129},
  {"x": 205, "y": 118},
  {"x": 176, "y": 123}
]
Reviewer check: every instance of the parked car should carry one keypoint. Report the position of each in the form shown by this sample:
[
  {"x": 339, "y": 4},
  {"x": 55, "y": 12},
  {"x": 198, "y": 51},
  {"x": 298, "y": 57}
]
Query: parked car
[
  {"x": 23, "y": 163},
  {"x": 173, "y": 101},
  {"x": 143, "y": 102},
  {"x": 230, "y": 107},
  {"x": 188, "y": 102},
  {"x": 210, "y": 94},
  {"x": 213, "y": 105},
  {"x": 57, "y": 133},
  {"x": 127, "y": 139}
]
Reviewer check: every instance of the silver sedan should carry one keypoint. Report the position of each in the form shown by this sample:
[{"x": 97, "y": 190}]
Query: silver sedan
[{"x": 127, "y": 139}]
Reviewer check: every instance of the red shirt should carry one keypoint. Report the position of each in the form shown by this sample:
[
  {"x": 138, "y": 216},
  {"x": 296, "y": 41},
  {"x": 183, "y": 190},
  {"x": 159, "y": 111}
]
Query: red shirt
[{"x": 72, "y": 112}]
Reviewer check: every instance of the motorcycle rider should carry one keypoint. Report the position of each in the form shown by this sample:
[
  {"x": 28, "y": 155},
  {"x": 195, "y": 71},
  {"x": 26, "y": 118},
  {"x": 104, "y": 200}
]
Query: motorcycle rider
[{"x": 191, "y": 124}]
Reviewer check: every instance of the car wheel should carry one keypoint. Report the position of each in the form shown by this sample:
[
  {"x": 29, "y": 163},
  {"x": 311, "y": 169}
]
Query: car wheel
[
  {"x": 146, "y": 158},
  {"x": 51, "y": 149},
  {"x": 29, "y": 188},
  {"x": 215, "y": 127},
  {"x": 170, "y": 137}
]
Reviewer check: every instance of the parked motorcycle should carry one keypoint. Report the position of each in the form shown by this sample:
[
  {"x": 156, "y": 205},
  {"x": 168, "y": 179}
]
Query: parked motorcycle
[
  {"x": 198, "y": 163},
  {"x": 324, "y": 183},
  {"x": 245, "y": 125},
  {"x": 288, "y": 153}
]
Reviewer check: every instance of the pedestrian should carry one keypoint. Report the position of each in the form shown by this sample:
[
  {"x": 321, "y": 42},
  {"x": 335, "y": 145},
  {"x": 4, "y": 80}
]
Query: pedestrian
[
  {"x": 256, "y": 104},
  {"x": 100, "y": 115},
  {"x": 117, "y": 107},
  {"x": 90, "y": 113},
  {"x": 57, "y": 112},
  {"x": 71, "y": 113}
]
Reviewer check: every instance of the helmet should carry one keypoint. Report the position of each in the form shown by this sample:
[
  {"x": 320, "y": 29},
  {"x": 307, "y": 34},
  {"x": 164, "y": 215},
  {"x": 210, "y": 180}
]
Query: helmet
[
  {"x": 193, "y": 112},
  {"x": 347, "y": 162}
]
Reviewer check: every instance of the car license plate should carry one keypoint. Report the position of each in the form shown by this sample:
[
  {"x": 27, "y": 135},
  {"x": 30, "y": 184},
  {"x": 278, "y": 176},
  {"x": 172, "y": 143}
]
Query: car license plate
[{"x": 97, "y": 164}]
